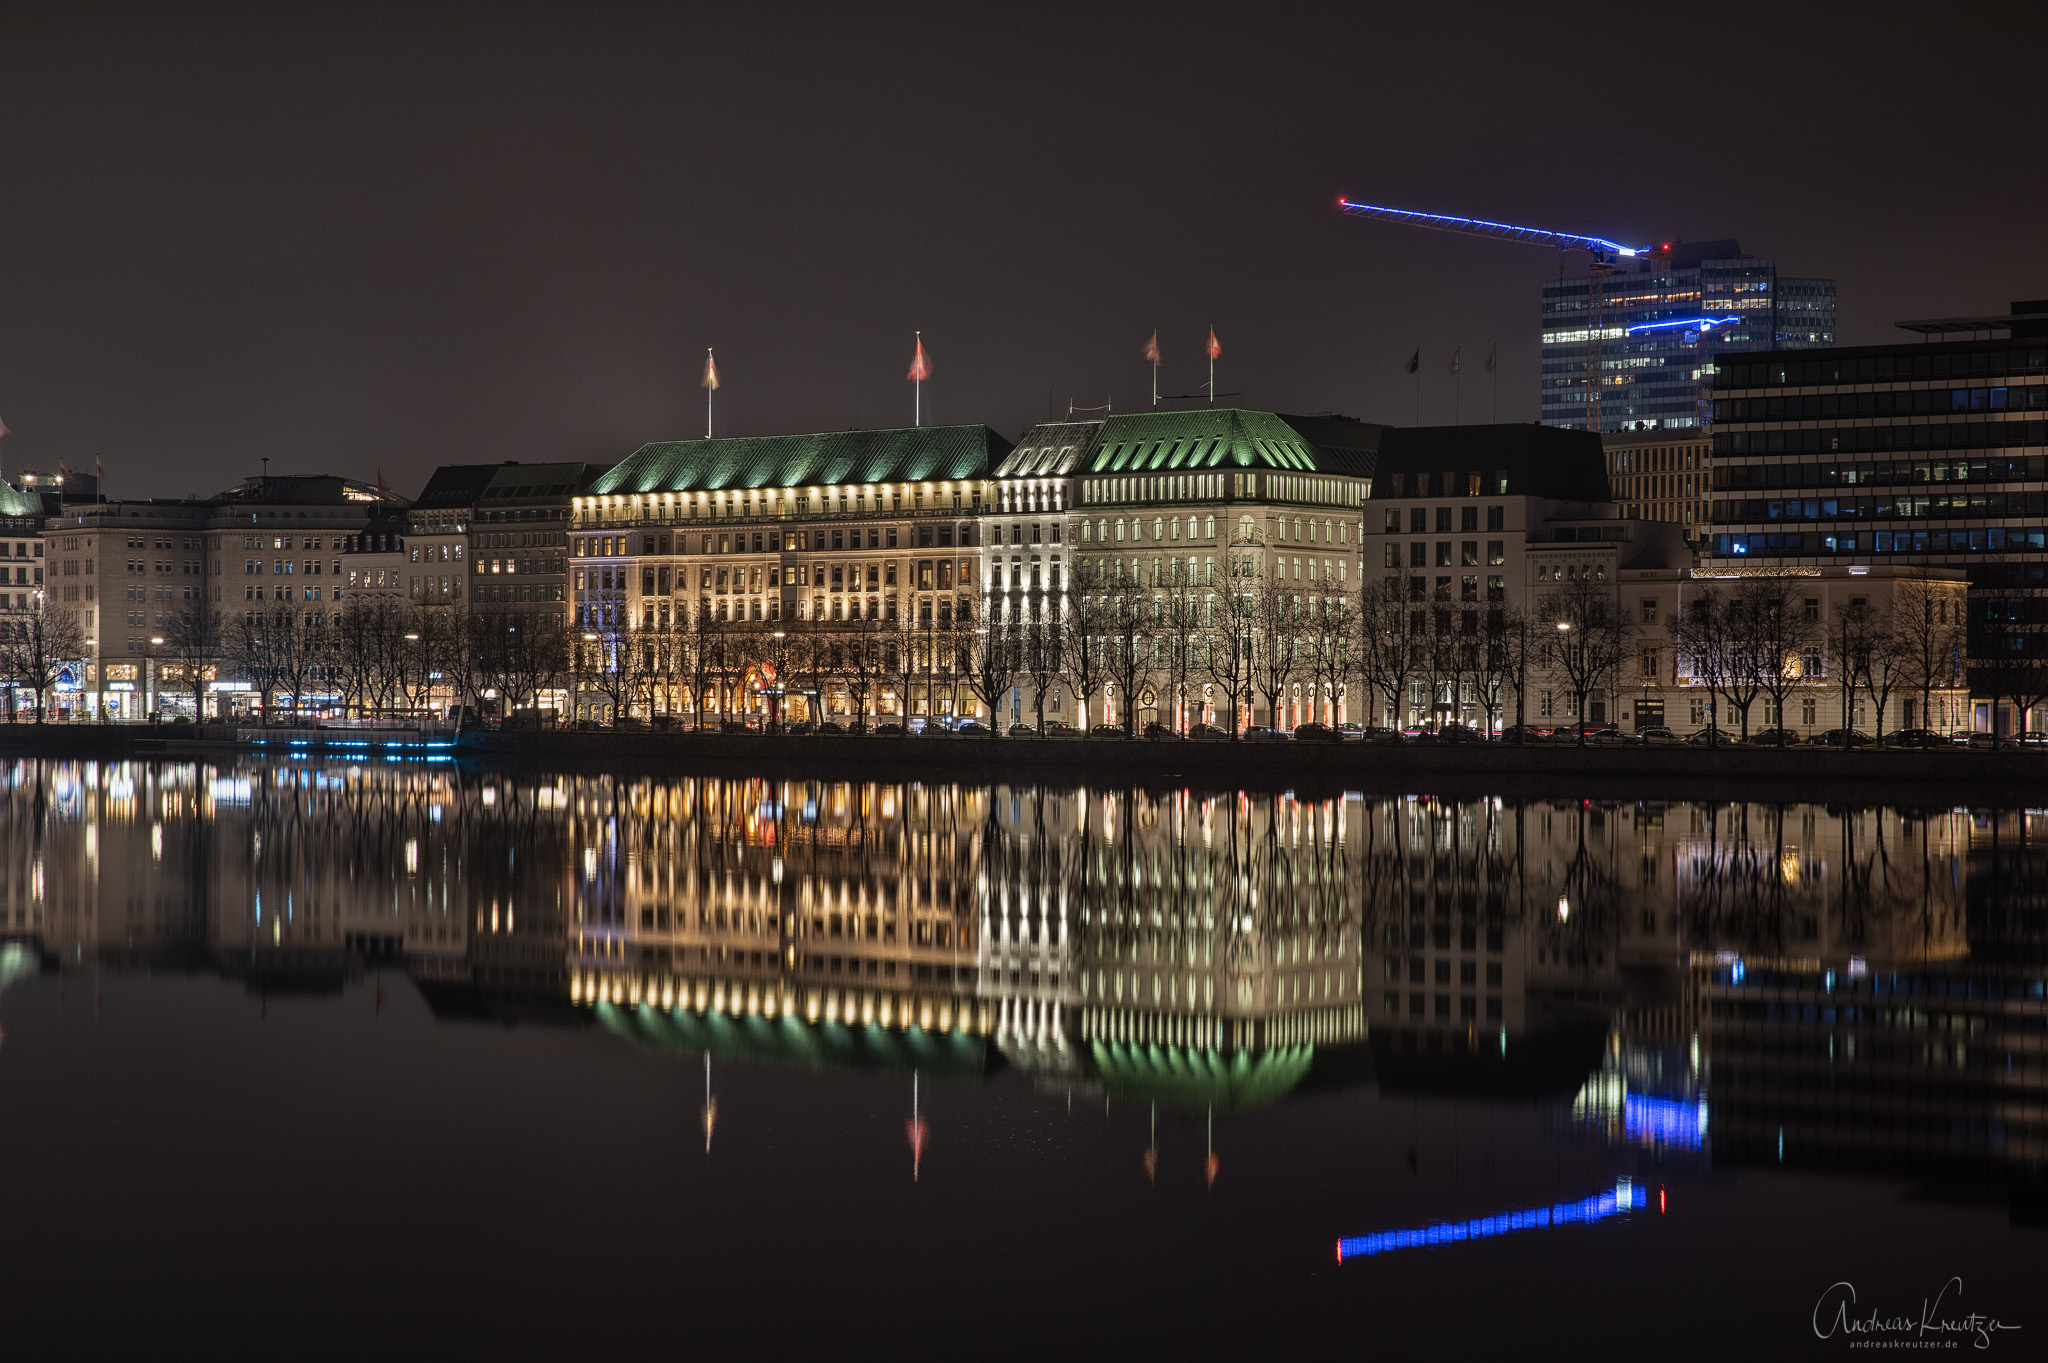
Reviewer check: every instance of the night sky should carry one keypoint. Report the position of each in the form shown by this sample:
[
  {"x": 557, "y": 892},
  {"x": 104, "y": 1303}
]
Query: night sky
[{"x": 357, "y": 238}]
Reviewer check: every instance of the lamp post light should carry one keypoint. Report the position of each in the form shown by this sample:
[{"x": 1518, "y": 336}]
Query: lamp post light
[
  {"x": 775, "y": 696},
  {"x": 1564, "y": 629}
]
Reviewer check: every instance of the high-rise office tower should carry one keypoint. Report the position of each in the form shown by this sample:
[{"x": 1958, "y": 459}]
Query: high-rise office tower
[{"x": 1663, "y": 315}]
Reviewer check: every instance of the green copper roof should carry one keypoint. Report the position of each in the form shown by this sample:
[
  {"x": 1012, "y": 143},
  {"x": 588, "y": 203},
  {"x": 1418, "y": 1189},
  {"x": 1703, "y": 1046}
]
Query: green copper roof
[
  {"x": 1184, "y": 1077},
  {"x": 1050, "y": 449},
  {"x": 1223, "y": 437},
  {"x": 14, "y": 502},
  {"x": 787, "y": 1041},
  {"x": 905, "y": 455}
]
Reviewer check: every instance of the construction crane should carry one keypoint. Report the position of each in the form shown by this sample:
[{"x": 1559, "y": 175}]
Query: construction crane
[{"x": 1604, "y": 259}]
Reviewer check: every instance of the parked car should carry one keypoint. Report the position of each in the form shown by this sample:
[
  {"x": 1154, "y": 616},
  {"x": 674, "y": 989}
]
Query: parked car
[
  {"x": 734, "y": 726},
  {"x": 1376, "y": 734},
  {"x": 1459, "y": 733},
  {"x": 1208, "y": 732},
  {"x": 972, "y": 728},
  {"x": 1108, "y": 731},
  {"x": 1974, "y": 738},
  {"x": 1524, "y": 733},
  {"x": 802, "y": 726},
  {"x": 829, "y": 727},
  {"x": 889, "y": 730},
  {"x": 1708, "y": 737},
  {"x": 1653, "y": 735},
  {"x": 1264, "y": 733},
  {"x": 1056, "y": 729},
  {"x": 1351, "y": 732},
  {"x": 1156, "y": 730},
  {"x": 1313, "y": 732},
  {"x": 1023, "y": 731},
  {"x": 1915, "y": 738},
  {"x": 1776, "y": 738},
  {"x": 1841, "y": 738}
]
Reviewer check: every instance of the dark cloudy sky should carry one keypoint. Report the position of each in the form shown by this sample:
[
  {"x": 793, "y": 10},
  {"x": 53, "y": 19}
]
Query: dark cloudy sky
[{"x": 346, "y": 238}]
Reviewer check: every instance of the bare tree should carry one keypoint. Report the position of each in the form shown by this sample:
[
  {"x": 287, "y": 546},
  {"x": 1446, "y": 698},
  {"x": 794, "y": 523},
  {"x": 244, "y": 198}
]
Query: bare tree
[
  {"x": 1699, "y": 634},
  {"x": 1276, "y": 655},
  {"x": 1927, "y": 622},
  {"x": 1129, "y": 622},
  {"x": 1497, "y": 662},
  {"x": 195, "y": 641},
  {"x": 995, "y": 653},
  {"x": 1229, "y": 617},
  {"x": 860, "y": 670},
  {"x": 526, "y": 654},
  {"x": 36, "y": 644},
  {"x": 1589, "y": 638},
  {"x": 1039, "y": 659},
  {"x": 1784, "y": 637},
  {"x": 1181, "y": 640},
  {"x": 1390, "y": 645},
  {"x": 1085, "y": 625},
  {"x": 1853, "y": 633}
]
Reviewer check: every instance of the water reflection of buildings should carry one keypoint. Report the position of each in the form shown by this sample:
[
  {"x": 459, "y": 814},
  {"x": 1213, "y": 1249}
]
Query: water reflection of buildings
[{"x": 1733, "y": 982}]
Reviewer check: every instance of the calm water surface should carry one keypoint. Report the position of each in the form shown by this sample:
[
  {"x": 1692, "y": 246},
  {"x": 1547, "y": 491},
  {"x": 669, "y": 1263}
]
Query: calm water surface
[{"x": 314, "y": 1057}]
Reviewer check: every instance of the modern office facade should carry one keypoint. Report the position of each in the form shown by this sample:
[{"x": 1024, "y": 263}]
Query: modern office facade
[
  {"x": 1663, "y": 315},
  {"x": 1664, "y": 475},
  {"x": 1932, "y": 453}
]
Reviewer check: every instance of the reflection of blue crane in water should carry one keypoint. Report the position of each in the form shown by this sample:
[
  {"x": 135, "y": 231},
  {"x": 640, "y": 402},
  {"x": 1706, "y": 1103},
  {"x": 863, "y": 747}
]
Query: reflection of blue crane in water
[{"x": 1623, "y": 1197}]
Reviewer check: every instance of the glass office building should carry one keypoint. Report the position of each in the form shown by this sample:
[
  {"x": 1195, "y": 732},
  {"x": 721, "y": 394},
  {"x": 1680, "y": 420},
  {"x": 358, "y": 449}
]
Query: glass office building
[
  {"x": 1929, "y": 452},
  {"x": 1663, "y": 315}
]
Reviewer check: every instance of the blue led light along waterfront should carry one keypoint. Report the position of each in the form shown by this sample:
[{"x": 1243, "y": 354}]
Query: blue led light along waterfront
[{"x": 1623, "y": 1197}]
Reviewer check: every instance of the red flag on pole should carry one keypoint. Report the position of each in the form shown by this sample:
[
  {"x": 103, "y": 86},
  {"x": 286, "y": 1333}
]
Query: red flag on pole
[
  {"x": 710, "y": 379},
  {"x": 920, "y": 366},
  {"x": 1214, "y": 348},
  {"x": 1152, "y": 349}
]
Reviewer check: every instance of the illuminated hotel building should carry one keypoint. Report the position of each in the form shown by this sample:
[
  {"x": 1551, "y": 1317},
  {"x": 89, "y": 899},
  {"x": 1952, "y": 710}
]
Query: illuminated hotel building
[{"x": 1663, "y": 317}]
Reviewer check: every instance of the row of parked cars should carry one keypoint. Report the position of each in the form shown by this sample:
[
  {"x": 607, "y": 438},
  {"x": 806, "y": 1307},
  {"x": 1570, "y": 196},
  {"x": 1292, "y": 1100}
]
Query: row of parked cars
[{"x": 1596, "y": 735}]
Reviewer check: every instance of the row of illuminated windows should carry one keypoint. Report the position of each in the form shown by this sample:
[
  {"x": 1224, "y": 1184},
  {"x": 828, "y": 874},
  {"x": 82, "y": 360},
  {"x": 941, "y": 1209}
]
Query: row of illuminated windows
[
  {"x": 1468, "y": 553},
  {"x": 1949, "y": 435},
  {"x": 1985, "y": 469},
  {"x": 1910, "y": 362},
  {"x": 1891, "y": 402},
  {"x": 1984, "y": 540},
  {"x": 1468, "y": 519},
  {"x": 1881, "y": 506}
]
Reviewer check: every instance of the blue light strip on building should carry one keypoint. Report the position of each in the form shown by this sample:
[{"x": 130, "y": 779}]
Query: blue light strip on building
[
  {"x": 1624, "y": 1196},
  {"x": 1703, "y": 323}
]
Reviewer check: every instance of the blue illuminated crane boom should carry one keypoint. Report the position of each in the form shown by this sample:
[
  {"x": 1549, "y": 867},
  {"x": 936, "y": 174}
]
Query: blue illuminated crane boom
[{"x": 1603, "y": 255}]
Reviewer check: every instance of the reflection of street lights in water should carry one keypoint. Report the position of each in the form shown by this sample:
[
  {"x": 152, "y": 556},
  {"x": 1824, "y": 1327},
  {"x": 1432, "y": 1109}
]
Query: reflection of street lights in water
[{"x": 149, "y": 677}]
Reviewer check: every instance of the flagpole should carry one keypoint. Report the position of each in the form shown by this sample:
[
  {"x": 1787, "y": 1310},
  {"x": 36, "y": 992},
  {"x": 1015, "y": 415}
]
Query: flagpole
[
  {"x": 1155, "y": 366},
  {"x": 709, "y": 393},
  {"x": 917, "y": 390}
]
